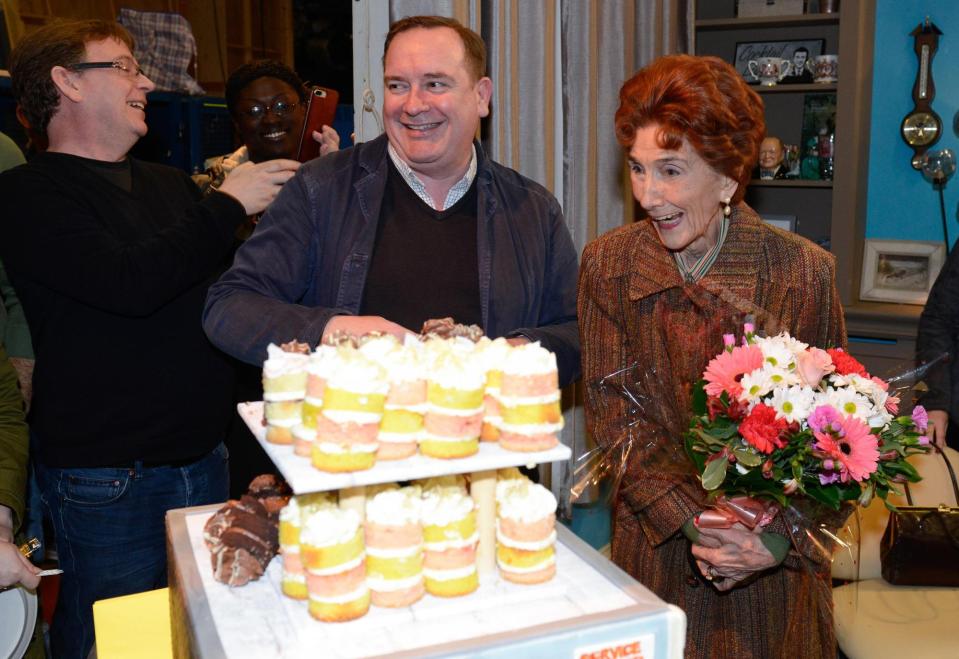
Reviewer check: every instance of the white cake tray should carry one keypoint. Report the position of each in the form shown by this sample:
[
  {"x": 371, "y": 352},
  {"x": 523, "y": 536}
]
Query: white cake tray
[
  {"x": 303, "y": 477},
  {"x": 589, "y": 605}
]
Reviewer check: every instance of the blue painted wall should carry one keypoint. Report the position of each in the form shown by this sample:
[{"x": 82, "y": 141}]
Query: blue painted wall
[{"x": 901, "y": 203}]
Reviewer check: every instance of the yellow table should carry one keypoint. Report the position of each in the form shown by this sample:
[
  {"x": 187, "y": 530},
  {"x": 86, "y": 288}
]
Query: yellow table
[{"x": 134, "y": 626}]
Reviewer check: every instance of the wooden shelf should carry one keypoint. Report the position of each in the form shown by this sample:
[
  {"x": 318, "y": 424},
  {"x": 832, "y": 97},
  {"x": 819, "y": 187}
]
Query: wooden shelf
[
  {"x": 767, "y": 21},
  {"x": 802, "y": 88},
  {"x": 789, "y": 183}
]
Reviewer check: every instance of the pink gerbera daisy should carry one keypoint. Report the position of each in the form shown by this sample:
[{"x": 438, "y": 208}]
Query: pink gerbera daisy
[
  {"x": 725, "y": 370},
  {"x": 853, "y": 449}
]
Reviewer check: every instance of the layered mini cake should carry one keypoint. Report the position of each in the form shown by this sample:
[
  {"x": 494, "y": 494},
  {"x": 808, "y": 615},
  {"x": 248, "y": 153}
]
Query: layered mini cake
[
  {"x": 348, "y": 425},
  {"x": 303, "y": 439},
  {"x": 525, "y": 532},
  {"x": 440, "y": 485},
  {"x": 394, "y": 547},
  {"x": 284, "y": 387},
  {"x": 455, "y": 386},
  {"x": 321, "y": 363},
  {"x": 331, "y": 550},
  {"x": 291, "y": 520},
  {"x": 494, "y": 354},
  {"x": 529, "y": 400},
  {"x": 402, "y": 422},
  {"x": 449, "y": 532}
]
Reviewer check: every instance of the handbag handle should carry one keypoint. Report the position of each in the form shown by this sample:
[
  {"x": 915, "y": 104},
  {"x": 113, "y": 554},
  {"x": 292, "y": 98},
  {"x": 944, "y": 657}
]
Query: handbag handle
[{"x": 952, "y": 476}]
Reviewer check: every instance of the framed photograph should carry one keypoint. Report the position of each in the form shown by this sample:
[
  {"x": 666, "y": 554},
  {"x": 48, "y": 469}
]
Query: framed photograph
[
  {"x": 799, "y": 53},
  {"x": 784, "y": 222},
  {"x": 900, "y": 270}
]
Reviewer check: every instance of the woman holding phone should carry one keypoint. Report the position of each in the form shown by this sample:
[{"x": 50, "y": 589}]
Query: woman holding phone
[{"x": 267, "y": 102}]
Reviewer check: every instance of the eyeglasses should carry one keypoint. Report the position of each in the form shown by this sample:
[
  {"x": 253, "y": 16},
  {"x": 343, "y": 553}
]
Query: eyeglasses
[
  {"x": 280, "y": 108},
  {"x": 124, "y": 64}
]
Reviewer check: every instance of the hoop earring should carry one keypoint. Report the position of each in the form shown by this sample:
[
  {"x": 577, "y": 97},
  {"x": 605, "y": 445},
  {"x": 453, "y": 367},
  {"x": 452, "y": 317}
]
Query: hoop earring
[{"x": 726, "y": 208}]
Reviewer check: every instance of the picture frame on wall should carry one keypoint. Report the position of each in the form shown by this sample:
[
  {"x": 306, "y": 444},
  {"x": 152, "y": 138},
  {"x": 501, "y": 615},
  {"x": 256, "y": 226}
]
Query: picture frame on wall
[
  {"x": 900, "y": 270},
  {"x": 747, "y": 51},
  {"x": 784, "y": 222}
]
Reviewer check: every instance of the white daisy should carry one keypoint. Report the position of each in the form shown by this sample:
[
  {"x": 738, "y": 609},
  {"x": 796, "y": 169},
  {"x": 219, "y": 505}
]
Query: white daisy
[
  {"x": 849, "y": 402},
  {"x": 755, "y": 385},
  {"x": 777, "y": 352},
  {"x": 792, "y": 403}
]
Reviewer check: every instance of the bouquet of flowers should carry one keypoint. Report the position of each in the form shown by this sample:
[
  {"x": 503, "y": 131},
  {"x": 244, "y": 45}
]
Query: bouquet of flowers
[{"x": 774, "y": 418}]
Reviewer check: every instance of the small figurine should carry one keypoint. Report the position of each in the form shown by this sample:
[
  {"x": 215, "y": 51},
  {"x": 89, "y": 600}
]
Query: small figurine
[{"x": 771, "y": 156}]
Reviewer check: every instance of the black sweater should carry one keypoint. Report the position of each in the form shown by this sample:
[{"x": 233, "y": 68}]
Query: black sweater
[{"x": 112, "y": 284}]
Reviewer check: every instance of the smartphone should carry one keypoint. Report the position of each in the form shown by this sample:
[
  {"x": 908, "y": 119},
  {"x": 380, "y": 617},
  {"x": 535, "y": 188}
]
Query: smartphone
[{"x": 320, "y": 110}]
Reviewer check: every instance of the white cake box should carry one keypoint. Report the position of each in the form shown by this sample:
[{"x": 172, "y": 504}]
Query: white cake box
[{"x": 588, "y": 607}]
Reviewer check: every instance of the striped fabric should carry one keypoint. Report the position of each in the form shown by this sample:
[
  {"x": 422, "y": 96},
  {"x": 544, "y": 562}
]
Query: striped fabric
[
  {"x": 702, "y": 266},
  {"x": 456, "y": 192}
]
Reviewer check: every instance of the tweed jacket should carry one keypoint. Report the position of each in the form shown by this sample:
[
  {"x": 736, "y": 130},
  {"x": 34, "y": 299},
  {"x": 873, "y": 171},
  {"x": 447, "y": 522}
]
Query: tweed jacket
[{"x": 635, "y": 310}]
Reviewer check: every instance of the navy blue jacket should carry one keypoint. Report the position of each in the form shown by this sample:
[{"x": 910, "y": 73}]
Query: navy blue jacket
[{"x": 310, "y": 254}]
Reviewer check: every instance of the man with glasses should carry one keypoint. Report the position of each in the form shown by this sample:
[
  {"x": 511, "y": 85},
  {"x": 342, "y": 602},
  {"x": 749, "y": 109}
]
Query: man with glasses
[
  {"x": 416, "y": 224},
  {"x": 111, "y": 258}
]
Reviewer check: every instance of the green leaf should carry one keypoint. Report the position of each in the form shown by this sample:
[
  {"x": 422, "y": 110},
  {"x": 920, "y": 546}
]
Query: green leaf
[
  {"x": 699, "y": 398},
  {"x": 710, "y": 440},
  {"x": 748, "y": 457},
  {"x": 715, "y": 473},
  {"x": 825, "y": 494}
]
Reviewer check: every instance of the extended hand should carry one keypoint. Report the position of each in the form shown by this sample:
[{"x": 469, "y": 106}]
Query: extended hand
[
  {"x": 938, "y": 424},
  {"x": 255, "y": 185},
  {"x": 329, "y": 140},
  {"x": 734, "y": 554},
  {"x": 360, "y": 325},
  {"x": 15, "y": 568}
]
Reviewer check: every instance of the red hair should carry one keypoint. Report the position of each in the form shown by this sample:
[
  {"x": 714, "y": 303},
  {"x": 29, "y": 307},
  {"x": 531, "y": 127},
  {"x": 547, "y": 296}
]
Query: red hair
[{"x": 703, "y": 100}]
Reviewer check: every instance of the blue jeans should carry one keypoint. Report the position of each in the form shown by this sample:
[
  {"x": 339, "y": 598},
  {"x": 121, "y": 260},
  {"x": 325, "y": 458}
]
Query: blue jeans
[{"x": 111, "y": 536}]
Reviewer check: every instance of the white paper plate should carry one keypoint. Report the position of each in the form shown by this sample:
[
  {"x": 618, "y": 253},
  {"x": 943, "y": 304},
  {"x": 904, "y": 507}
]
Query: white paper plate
[{"x": 18, "y": 616}]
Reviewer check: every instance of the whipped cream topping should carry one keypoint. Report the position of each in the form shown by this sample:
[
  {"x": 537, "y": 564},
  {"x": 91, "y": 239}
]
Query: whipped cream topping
[
  {"x": 458, "y": 371},
  {"x": 442, "y": 485},
  {"x": 295, "y": 577},
  {"x": 304, "y": 433},
  {"x": 357, "y": 373},
  {"x": 405, "y": 364},
  {"x": 345, "y": 416},
  {"x": 542, "y": 565},
  {"x": 526, "y": 502},
  {"x": 301, "y": 505},
  {"x": 323, "y": 361},
  {"x": 446, "y": 508},
  {"x": 507, "y": 479},
  {"x": 338, "y": 568},
  {"x": 537, "y": 545},
  {"x": 376, "y": 348},
  {"x": 400, "y": 552},
  {"x": 392, "y": 585},
  {"x": 346, "y": 598},
  {"x": 279, "y": 362},
  {"x": 443, "y": 545},
  {"x": 530, "y": 359},
  {"x": 450, "y": 574},
  {"x": 494, "y": 353},
  {"x": 530, "y": 428},
  {"x": 395, "y": 507},
  {"x": 329, "y": 526}
]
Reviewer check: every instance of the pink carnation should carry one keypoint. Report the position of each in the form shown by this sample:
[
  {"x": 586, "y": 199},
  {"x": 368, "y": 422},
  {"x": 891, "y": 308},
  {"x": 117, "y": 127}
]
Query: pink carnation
[{"x": 920, "y": 417}]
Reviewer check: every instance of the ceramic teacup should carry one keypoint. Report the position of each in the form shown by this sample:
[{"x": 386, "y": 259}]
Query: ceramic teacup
[
  {"x": 768, "y": 70},
  {"x": 826, "y": 68}
]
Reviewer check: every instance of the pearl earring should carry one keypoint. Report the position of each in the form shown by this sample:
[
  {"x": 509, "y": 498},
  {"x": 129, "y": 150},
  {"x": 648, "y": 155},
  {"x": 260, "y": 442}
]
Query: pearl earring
[{"x": 726, "y": 209}]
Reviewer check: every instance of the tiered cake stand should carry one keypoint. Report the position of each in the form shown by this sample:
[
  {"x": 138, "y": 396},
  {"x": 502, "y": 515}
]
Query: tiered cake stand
[{"x": 591, "y": 606}]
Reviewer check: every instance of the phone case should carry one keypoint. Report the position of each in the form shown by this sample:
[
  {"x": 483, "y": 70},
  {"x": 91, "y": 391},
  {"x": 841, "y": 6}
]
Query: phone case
[{"x": 320, "y": 111}]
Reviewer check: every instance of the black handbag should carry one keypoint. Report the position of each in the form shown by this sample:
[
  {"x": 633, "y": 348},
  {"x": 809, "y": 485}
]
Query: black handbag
[{"x": 921, "y": 544}]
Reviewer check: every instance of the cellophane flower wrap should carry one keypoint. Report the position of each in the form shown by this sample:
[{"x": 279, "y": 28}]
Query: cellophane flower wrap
[{"x": 777, "y": 420}]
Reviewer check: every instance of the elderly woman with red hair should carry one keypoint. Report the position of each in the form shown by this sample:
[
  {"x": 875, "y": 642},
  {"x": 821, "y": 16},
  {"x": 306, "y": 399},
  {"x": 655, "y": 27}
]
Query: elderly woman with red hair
[{"x": 655, "y": 299}]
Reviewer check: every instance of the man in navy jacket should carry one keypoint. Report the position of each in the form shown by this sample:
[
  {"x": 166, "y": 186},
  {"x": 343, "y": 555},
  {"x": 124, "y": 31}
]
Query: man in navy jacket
[{"x": 415, "y": 224}]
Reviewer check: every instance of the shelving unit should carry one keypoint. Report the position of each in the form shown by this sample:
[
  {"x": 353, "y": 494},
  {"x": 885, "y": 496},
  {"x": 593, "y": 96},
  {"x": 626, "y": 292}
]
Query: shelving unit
[{"x": 831, "y": 213}]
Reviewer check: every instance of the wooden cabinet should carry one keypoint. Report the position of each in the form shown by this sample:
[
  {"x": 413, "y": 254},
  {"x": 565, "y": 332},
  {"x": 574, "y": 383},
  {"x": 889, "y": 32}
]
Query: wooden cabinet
[{"x": 831, "y": 213}]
